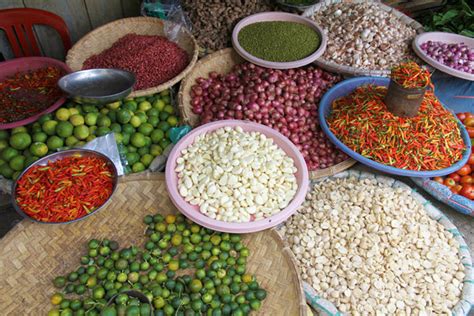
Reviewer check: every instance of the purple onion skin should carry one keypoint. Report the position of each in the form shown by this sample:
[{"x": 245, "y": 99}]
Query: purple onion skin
[{"x": 457, "y": 56}]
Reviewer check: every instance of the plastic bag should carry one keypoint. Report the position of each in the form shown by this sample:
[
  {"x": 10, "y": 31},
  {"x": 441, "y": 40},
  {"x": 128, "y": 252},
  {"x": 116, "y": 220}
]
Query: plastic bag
[{"x": 170, "y": 11}]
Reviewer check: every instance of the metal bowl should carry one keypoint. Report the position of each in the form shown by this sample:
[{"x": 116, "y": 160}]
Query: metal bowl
[
  {"x": 98, "y": 86},
  {"x": 298, "y": 7},
  {"x": 58, "y": 156}
]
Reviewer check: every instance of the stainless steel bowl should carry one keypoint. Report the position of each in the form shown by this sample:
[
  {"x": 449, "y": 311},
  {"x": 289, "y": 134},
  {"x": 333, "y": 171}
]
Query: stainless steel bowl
[
  {"x": 298, "y": 7},
  {"x": 98, "y": 86},
  {"x": 58, "y": 156}
]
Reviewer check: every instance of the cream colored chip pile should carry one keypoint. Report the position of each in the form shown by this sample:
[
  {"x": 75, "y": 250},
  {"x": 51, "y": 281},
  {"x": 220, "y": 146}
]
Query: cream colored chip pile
[
  {"x": 236, "y": 176},
  {"x": 372, "y": 250}
]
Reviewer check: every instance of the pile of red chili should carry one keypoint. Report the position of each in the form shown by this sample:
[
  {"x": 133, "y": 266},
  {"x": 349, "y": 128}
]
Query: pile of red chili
[
  {"x": 429, "y": 141},
  {"x": 65, "y": 189},
  {"x": 410, "y": 75},
  {"x": 28, "y": 93},
  {"x": 153, "y": 59}
]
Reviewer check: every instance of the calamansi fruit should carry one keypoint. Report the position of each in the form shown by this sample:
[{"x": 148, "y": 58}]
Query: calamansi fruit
[
  {"x": 38, "y": 149},
  {"x": 63, "y": 114},
  {"x": 20, "y": 140}
]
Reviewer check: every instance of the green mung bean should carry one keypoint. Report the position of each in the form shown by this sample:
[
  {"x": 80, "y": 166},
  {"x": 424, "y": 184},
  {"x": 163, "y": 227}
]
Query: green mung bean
[{"x": 279, "y": 41}]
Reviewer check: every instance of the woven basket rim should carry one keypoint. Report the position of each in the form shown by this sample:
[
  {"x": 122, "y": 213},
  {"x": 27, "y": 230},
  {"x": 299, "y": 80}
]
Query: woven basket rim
[
  {"x": 76, "y": 49},
  {"x": 353, "y": 71}
]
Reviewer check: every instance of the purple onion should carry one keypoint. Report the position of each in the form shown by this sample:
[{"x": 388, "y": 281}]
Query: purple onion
[{"x": 457, "y": 56}]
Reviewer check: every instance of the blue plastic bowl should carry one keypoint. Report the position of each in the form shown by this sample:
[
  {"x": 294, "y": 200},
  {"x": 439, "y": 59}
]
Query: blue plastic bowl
[{"x": 348, "y": 86}]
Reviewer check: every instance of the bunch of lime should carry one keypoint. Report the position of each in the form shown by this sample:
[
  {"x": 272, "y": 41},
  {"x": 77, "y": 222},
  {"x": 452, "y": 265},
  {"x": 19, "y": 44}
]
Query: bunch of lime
[{"x": 141, "y": 126}]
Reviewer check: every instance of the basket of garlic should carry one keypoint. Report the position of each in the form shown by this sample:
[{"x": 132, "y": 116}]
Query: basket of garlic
[
  {"x": 365, "y": 38},
  {"x": 371, "y": 244}
]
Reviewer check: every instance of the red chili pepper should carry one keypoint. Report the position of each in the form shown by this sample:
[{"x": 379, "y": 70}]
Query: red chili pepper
[
  {"x": 57, "y": 193},
  {"x": 410, "y": 75}
]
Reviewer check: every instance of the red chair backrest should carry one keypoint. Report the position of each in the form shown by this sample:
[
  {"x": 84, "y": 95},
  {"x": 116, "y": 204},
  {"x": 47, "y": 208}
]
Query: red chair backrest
[{"x": 18, "y": 26}]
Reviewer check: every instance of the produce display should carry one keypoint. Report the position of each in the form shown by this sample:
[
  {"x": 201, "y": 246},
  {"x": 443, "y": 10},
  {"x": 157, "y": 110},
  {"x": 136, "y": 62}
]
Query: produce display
[
  {"x": 462, "y": 181},
  {"x": 213, "y": 22},
  {"x": 236, "y": 176},
  {"x": 457, "y": 56},
  {"x": 279, "y": 41},
  {"x": 286, "y": 100},
  {"x": 182, "y": 269},
  {"x": 429, "y": 141},
  {"x": 141, "y": 128},
  {"x": 153, "y": 59},
  {"x": 28, "y": 93},
  {"x": 371, "y": 248},
  {"x": 65, "y": 189},
  {"x": 410, "y": 75},
  {"x": 456, "y": 17},
  {"x": 364, "y": 36}
]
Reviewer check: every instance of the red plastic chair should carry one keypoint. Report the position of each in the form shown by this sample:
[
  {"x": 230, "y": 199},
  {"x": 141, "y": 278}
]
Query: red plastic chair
[{"x": 18, "y": 26}]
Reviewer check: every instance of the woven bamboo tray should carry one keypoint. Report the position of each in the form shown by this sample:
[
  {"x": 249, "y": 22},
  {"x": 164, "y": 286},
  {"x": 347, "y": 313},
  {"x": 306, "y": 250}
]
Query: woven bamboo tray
[
  {"x": 352, "y": 71},
  {"x": 222, "y": 62},
  {"x": 31, "y": 254},
  {"x": 103, "y": 37}
]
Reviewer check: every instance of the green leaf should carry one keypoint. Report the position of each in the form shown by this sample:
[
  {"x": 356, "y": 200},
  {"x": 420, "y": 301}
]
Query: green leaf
[
  {"x": 467, "y": 9},
  {"x": 467, "y": 33},
  {"x": 450, "y": 15}
]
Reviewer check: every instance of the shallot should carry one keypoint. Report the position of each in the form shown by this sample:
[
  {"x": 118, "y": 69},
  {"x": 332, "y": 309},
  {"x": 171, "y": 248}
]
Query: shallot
[
  {"x": 458, "y": 55},
  {"x": 286, "y": 100}
]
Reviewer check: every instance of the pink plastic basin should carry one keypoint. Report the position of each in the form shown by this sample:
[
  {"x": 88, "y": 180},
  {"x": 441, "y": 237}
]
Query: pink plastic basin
[
  {"x": 11, "y": 67},
  {"x": 278, "y": 16},
  {"x": 193, "y": 213}
]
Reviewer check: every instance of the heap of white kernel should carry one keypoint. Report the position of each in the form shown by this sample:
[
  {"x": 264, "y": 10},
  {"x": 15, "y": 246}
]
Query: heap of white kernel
[{"x": 236, "y": 176}]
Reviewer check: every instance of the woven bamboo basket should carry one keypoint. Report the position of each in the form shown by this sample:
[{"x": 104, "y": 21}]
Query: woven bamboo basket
[
  {"x": 31, "y": 255},
  {"x": 352, "y": 71},
  {"x": 222, "y": 62},
  {"x": 105, "y": 36}
]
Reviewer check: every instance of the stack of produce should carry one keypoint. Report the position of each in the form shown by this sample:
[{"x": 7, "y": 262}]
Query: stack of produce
[
  {"x": 153, "y": 59},
  {"x": 28, "y": 93},
  {"x": 457, "y": 56},
  {"x": 236, "y": 176},
  {"x": 213, "y": 21},
  {"x": 462, "y": 181},
  {"x": 371, "y": 248},
  {"x": 364, "y": 36},
  {"x": 286, "y": 100},
  {"x": 183, "y": 269},
  {"x": 141, "y": 125}
]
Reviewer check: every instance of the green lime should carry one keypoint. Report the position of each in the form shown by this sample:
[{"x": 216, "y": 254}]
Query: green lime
[
  {"x": 169, "y": 109},
  {"x": 153, "y": 120},
  {"x": 6, "y": 171},
  {"x": 88, "y": 108},
  {"x": 45, "y": 118},
  {"x": 172, "y": 121},
  {"x": 142, "y": 116},
  {"x": 165, "y": 93},
  {"x": 164, "y": 143},
  {"x": 71, "y": 141},
  {"x": 108, "y": 311},
  {"x": 36, "y": 127},
  {"x": 103, "y": 121},
  {"x": 90, "y": 138},
  {"x": 146, "y": 160},
  {"x": 104, "y": 111},
  {"x": 20, "y": 140},
  {"x": 29, "y": 160},
  {"x": 125, "y": 139},
  {"x": 135, "y": 121},
  {"x": 132, "y": 149},
  {"x": 49, "y": 127},
  {"x": 115, "y": 127},
  {"x": 164, "y": 116},
  {"x": 114, "y": 106},
  {"x": 55, "y": 142},
  {"x": 64, "y": 129},
  {"x": 147, "y": 141},
  {"x": 128, "y": 129},
  {"x": 157, "y": 135},
  {"x": 152, "y": 112},
  {"x": 144, "y": 106},
  {"x": 91, "y": 118},
  {"x": 20, "y": 129},
  {"x": 156, "y": 150},
  {"x": 118, "y": 137},
  {"x": 8, "y": 153},
  {"x": 3, "y": 144},
  {"x": 17, "y": 163},
  {"x": 138, "y": 167},
  {"x": 137, "y": 140},
  {"x": 130, "y": 105},
  {"x": 101, "y": 131},
  {"x": 3, "y": 134},
  {"x": 81, "y": 132},
  {"x": 77, "y": 120},
  {"x": 159, "y": 105},
  {"x": 163, "y": 125},
  {"x": 74, "y": 111},
  {"x": 123, "y": 116},
  {"x": 40, "y": 137},
  {"x": 132, "y": 158},
  {"x": 145, "y": 129},
  {"x": 2, "y": 161},
  {"x": 143, "y": 150},
  {"x": 39, "y": 149},
  {"x": 63, "y": 114}
]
